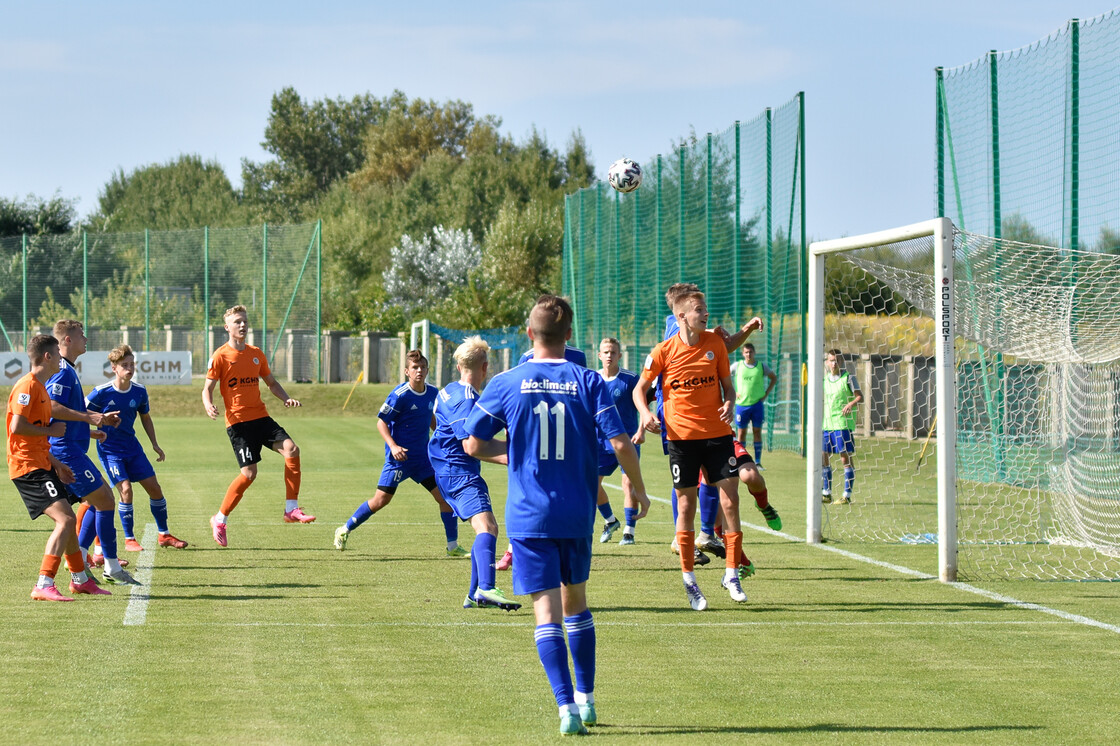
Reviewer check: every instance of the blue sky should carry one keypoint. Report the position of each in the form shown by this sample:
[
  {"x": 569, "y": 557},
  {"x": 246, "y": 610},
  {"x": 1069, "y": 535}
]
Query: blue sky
[{"x": 92, "y": 87}]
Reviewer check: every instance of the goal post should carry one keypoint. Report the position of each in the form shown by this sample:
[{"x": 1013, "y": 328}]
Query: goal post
[{"x": 941, "y": 230}]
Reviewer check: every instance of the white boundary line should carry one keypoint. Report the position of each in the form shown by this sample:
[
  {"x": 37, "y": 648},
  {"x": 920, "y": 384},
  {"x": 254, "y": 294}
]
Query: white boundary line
[
  {"x": 641, "y": 624},
  {"x": 137, "y": 611},
  {"x": 1076, "y": 618}
]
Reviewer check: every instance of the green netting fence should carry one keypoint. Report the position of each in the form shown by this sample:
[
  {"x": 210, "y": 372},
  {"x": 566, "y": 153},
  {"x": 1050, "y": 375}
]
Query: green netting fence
[
  {"x": 725, "y": 212},
  {"x": 163, "y": 290},
  {"x": 1027, "y": 140}
]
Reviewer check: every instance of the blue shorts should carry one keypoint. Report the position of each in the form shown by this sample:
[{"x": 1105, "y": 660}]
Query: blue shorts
[
  {"x": 838, "y": 441},
  {"x": 133, "y": 467},
  {"x": 608, "y": 462},
  {"x": 467, "y": 494},
  {"x": 754, "y": 415},
  {"x": 543, "y": 564},
  {"x": 87, "y": 479},
  {"x": 417, "y": 468}
]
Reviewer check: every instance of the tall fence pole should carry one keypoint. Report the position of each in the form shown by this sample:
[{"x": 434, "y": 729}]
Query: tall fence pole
[
  {"x": 708, "y": 217},
  {"x": 1074, "y": 134},
  {"x": 85, "y": 280},
  {"x": 657, "y": 229},
  {"x": 147, "y": 290},
  {"x": 993, "y": 85},
  {"x": 264, "y": 291},
  {"x": 24, "y": 272},
  {"x": 206, "y": 279},
  {"x": 767, "y": 281},
  {"x": 736, "y": 260},
  {"x": 319, "y": 293},
  {"x": 680, "y": 219},
  {"x": 599, "y": 282},
  {"x": 635, "y": 268},
  {"x": 804, "y": 304},
  {"x": 939, "y": 73}
]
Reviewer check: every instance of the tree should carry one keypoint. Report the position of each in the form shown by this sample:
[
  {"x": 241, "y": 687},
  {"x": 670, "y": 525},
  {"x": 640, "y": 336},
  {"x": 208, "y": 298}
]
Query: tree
[
  {"x": 36, "y": 216},
  {"x": 423, "y": 272},
  {"x": 186, "y": 192}
]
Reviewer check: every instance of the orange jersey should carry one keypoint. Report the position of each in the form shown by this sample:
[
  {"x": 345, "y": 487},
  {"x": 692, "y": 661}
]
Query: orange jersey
[
  {"x": 239, "y": 375},
  {"x": 26, "y": 453},
  {"x": 690, "y": 385}
]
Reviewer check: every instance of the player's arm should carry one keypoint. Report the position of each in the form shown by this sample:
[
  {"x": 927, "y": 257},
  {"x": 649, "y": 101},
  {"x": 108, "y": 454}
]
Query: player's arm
[
  {"x": 493, "y": 451},
  {"x": 21, "y": 426},
  {"x": 772, "y": 377},
  {"x": 627, "y": 456},
  {"x": 64, "y": 472},
  {"x": 736, "y": 340},
  {"x": 279, "y": 392},
  {"x": 727, "y": 409},
  {"x": 208, "y": 398},
  {"x": 857, "y": 395},
  {"x": 150, "y": 429},
  {"x": 398, "y": 453},
  {"x": 647, "y": 420},
  {"x": 96, "y": 419}
]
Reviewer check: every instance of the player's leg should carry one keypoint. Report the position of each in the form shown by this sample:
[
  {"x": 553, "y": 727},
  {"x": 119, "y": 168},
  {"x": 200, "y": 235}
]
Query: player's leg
[
  {"x": 757, "y": 418},
  {"x": 757, "y": 433},
  {"x": 287, "y": 448},
  {"x": 603, "y": 503},
  {"x": 124, "y": 509},
  {"x": 575, "y": 568},
  {"x": 755, "y": 483},
  {"x": 446, "y": 515},
  {"x": 732, "y": 536},
  {"x": 630, "y": 510},
  {"x": 157, "y": 502},
  {"x": 709, "y": 508},
  {"x": 849, "y": 467},
  {"x": 101, "y": 500},
  {"x": 485, "y": 592},
  {"x": 386, "y": 488},
  {"x": 826, "y": 467},
  {"x": 58, "y": 511},
  {"x": 245, "y": 439}
]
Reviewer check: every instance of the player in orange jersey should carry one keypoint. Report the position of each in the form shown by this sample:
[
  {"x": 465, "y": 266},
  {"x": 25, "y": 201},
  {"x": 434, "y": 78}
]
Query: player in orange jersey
[
  {"x": 699, "y": 409},
  {"x": 238, "y": 368},
  {"x": 40, "y": 477}
]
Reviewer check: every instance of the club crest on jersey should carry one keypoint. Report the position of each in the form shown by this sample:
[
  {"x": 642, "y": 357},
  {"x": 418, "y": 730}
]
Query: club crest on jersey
[
  {"x": 385, "y": 408},
  {"x": 710, "y": 355},
  {"x": 24, "y": 399},
  {"x": 256, "y": 361},
  {"x": 56, "y": 389},
  {"x": 132, "y": 403}
]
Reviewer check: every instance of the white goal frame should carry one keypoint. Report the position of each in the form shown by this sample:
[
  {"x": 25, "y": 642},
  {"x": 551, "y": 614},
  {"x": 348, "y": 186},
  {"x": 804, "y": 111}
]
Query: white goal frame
[{"x": 943, "y": 232}]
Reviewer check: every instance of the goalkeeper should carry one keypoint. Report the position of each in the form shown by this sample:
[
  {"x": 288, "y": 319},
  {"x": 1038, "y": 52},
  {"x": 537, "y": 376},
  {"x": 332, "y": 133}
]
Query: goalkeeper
[{"x": 841, "y": 395}]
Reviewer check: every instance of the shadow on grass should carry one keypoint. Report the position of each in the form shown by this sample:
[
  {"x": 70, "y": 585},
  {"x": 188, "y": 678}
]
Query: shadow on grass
[{"x": 659, "y": 730}]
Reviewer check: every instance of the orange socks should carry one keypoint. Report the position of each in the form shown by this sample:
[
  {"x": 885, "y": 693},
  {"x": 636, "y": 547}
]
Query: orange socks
[
  {"x": 291, "y": 478},
  {"x": 235, "y": 492},
  {"x": 51, "y": 563},
  {"x": 686, "y": 541},
  {"x": 75, "y": 563},
  {"x": 733, "y": 541}
]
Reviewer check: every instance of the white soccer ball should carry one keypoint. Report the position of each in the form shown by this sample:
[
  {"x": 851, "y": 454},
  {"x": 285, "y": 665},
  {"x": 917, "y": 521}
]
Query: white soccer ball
[{"x": 624, "y": 175}]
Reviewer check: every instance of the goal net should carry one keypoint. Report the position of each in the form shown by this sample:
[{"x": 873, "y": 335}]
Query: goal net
[{"x": 990, "y": 420}]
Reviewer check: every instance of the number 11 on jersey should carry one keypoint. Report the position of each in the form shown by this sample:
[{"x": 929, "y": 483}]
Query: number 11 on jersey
[{"x": 543, "y": 412}]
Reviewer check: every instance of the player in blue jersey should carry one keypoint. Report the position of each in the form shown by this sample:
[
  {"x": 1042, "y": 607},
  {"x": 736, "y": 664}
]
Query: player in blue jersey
[
  {"x": 404, "y": 422},
  {"x": 68, "y": 403},
  {"x": 555, "y": 413},
  {"x": 620, "y": 382},
  {"x": 121, "y": 454},
  {"x": 571, "y": 354},
  {"x": 458, "y": 475}
]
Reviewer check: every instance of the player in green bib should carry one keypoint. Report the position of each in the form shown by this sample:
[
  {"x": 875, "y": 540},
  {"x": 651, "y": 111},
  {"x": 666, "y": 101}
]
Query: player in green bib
[
  {"x": 753, "y": 383},
  {"x": 841, "y": 395}
]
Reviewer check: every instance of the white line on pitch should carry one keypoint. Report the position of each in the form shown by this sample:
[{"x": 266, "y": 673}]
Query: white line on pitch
[
  {"x": 137, "y": 611},
  {"x": 642, "y": 624},
  {"x": 1076, "y": 618}
]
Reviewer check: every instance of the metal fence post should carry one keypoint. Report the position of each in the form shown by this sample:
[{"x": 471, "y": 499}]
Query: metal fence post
[
  {"x": 264, "y": 290},
  {"x": 147, "y": 290}
]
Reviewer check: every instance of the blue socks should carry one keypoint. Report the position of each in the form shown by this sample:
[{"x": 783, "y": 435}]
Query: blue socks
[
  {"x": 631, "y": 519},
  {"x": 674, "y": 500},
  {"x": 554, "y": 657},
  {"x": 482, "y": 561},
  {"x": 159, "y": 512},
  {"x": 86, "y": 531},
  {"x": 125, "y": 510},
  {"x": 849, "y": 478},
  {"x": 605, "y": 510},
  {"x": 758, "y": 451},
  {"x": 709, "y": 507},
  {"x": 450, "y": 526},
  {"x": 581, "y": 641},
  {"x": 106, "y": 531},
  {"x": 826, "y": 473},
  {"x": 361, "y": 515}
]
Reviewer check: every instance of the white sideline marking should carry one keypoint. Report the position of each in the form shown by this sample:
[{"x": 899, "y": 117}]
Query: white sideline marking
[
  {"x": 644, "y": 625},
  {"x": 137, "y": 611},
  {"x": 1076, "y": 618}
]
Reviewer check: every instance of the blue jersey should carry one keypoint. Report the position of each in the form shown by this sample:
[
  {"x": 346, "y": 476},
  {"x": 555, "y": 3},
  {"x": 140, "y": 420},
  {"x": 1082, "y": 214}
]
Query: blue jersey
[
  {"x": 409, "y": 416},
  {"x": 571, "y": 354},
  {"x": 65, "y": 388},
  {"x": 445, "y": 449},
  {"x": 621, "y": 389},
  {"x": 671, "y": 329},
  {"x": 556, "y": 413},
  {"x": 120, "y": 440}
]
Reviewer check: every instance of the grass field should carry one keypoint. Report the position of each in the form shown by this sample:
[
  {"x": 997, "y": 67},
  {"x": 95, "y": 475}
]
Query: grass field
[{"x": 281, "y": 639}]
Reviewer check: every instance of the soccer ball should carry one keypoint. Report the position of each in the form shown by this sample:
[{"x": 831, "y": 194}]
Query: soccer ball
[{"x": 624, "y": 175}]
